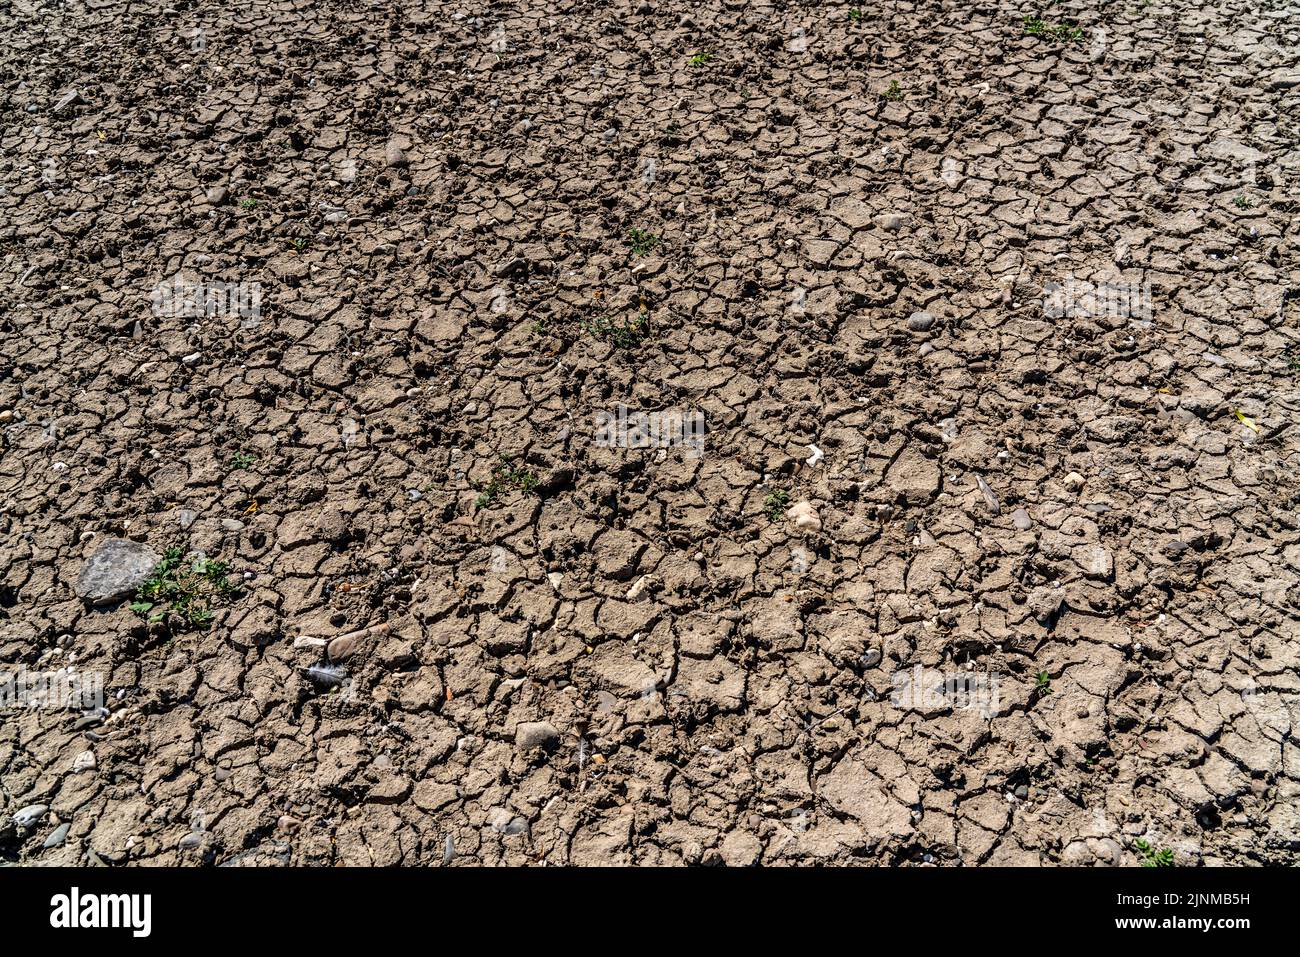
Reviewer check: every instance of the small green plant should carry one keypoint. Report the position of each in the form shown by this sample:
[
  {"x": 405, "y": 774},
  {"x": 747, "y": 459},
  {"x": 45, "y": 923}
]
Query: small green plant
[
  {"x": 1043, "y": 682},
  {"x": 300, "y": 244},
  {"x": 505, "y": 477},
  {"x": 774, "y": 503},
  {"x": 1292, "y": 357},
  {"x": 622, "y": 334},
  {"x": 1060, "y": 32},
  {"x": 240, "y": 460},
  {"x": 186, "y": 591},
  {"x": 855, "y": 14},
  {"x": 1242, "y": 202},
  {"x": 248, "y": 204},
  {"x": 539, "y": 328},
  {"x": 642, "y": 241},
  {"x": 895, "y": 92},
  {"x": 699, "y": 59},
  {"x": 1153, "y": 858}
]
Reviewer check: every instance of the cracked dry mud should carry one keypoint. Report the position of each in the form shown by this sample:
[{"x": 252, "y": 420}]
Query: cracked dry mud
[{"x": 631, "y": 662}]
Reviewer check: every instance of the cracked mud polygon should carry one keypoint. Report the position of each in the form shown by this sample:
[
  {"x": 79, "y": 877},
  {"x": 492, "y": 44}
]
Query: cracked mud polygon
[{"x": 650, "y": 433}]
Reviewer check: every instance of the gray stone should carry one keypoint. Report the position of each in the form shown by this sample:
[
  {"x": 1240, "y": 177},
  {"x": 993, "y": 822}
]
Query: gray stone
[
  {"x": 1022, "y": 519},
  {"x": 1095, "y": 561},
  {"x": 29, "y": 815},
  {"x": 395, "y": 156},
  {"x": 503, "y": 822},
  {"x": 512, "y": 266},
  {"x": 989, "y": 498},
  {"x": 57, "y": 837},
  {"x": 920, "y": 321},
  {"x": 115, "y": 570},
  {"x": 535, "y": 734},
  {"x": 65, "y": 101}
]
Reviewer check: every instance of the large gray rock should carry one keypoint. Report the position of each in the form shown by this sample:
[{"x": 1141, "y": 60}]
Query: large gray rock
[{"x": 115, "y": 570}]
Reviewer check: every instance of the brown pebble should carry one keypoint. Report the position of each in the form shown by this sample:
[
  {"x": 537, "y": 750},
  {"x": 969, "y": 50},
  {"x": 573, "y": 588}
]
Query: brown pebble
[{"x": 340, "y": 649}]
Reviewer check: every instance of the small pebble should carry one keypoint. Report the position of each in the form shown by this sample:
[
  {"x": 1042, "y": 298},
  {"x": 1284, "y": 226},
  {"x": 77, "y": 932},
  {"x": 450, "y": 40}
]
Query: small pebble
[
  {"x": 989, "y": 497},
  {"x": 29, "y": 815},
  {"x": 395, "y": 156},
  {"x": 535, "y": 734},
  {"x": 920, "y": 321},
  {"x": 805, "y": 517},
  {"x": 341, "y": 649}
]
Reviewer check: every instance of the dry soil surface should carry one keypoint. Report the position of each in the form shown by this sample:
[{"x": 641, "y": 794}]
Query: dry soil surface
[{"x": 474, "y": 228}]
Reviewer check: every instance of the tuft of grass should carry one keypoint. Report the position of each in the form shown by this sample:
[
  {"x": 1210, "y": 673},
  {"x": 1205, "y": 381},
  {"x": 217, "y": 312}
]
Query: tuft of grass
[
  {"x": 240, "y": 460},
  {"x": 248, "y": 204},
  {"x": 504, "y": 478},
  {"x": 774, "y": 504},
  {"x": 699, "y": 59},
  {"x": 1060, "y": 32},
  {"x": 1242, "y": 202},
  {"x": 1153, "y": 858},
  {"x": 1043, "y": 682},
  {"x": 895, "y": 92},
  {"x": 184, "y": 590},
  {"x": 672, "y": 134},
  {"x": 642, "y": 241},
  {"x": 622, "y": 334}
]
